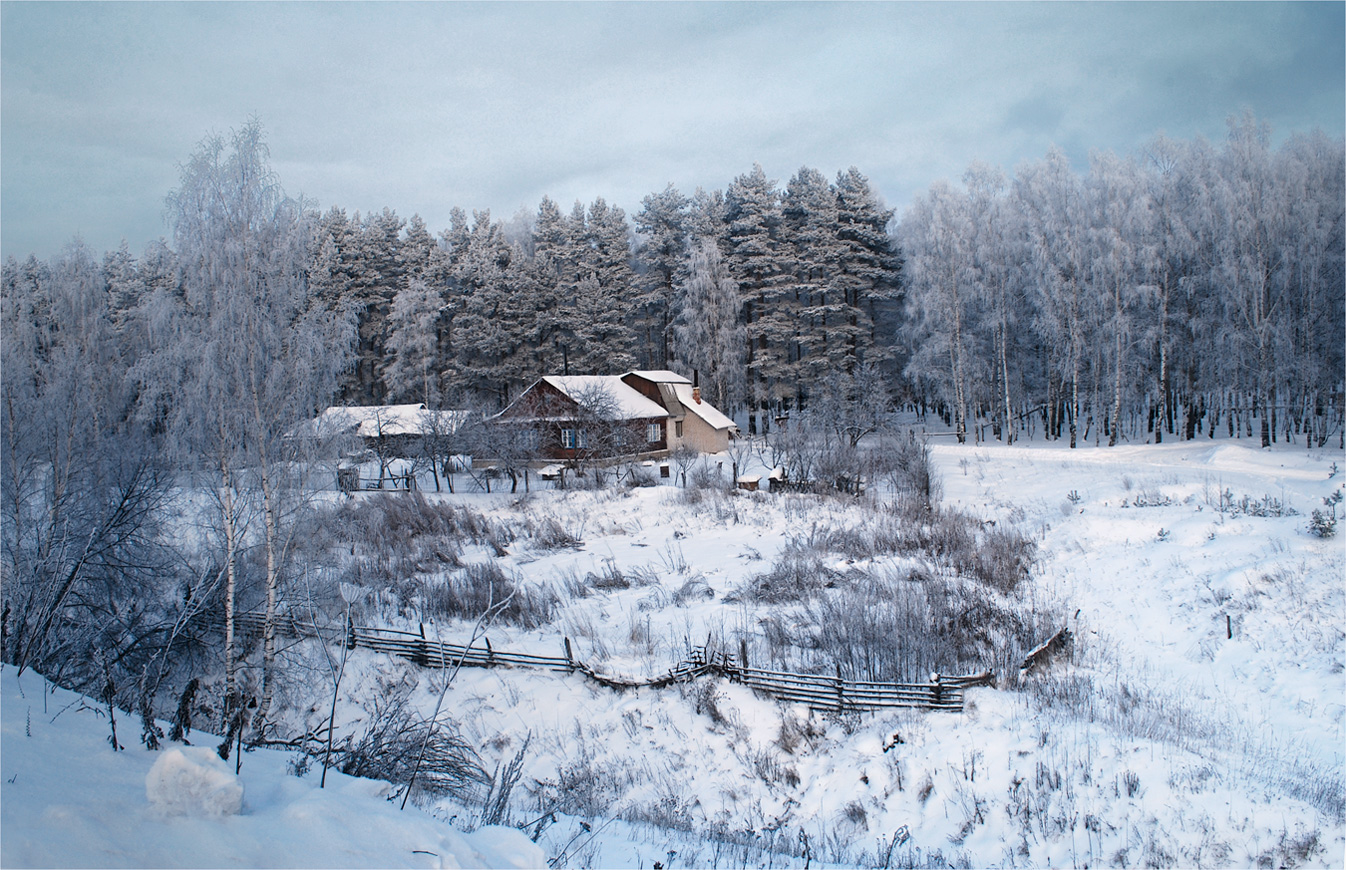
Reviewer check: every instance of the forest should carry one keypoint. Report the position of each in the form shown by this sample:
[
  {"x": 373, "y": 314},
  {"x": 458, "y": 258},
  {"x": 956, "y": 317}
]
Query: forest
[
  {"x": 156, "y": 483},
  {"x": 1182, "y": 287}
]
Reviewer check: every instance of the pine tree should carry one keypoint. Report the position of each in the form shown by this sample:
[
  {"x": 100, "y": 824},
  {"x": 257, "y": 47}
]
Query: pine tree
[
  {"x": 868, "y": 269},
  {"x": 662, "y": 224},
  {"x": 489, "y": 324},
  {"x": 752, "y": 254},
  {"x": 810, "y": 255},
  {"x": 604, "y": 293}
]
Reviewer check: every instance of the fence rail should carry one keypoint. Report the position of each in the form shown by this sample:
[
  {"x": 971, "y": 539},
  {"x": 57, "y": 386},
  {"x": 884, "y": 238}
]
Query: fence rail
[{"x": 818, "y": 691}]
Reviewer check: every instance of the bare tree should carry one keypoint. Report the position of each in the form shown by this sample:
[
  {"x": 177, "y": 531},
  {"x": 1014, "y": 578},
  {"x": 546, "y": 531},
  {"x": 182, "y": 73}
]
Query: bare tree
[
  {"x": 82, "y": 485},
  {"x": 255, "y": 353}
]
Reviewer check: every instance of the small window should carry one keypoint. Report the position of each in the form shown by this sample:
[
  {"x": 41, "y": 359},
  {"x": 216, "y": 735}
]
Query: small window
[
  {"x": 572, "y": 439},
  {"x": 654, "y": 432},
  {"x": 677, "y": 428}
]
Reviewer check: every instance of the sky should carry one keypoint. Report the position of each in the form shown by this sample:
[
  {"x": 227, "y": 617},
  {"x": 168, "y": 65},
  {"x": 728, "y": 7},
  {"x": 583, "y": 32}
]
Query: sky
[{"x": 422, "y": 107}]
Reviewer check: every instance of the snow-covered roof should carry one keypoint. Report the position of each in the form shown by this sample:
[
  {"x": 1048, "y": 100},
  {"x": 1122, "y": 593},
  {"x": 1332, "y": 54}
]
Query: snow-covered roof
[
  {"x": 627, "y": 402},
  {"x": 660, "y": 376},
  {"x": 370, "y": 421},
  {"x": 703, "y": 409}
]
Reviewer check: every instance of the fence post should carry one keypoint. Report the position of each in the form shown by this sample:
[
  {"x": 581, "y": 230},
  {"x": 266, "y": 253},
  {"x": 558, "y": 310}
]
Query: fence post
[
  {"x": 939, "y": 689},
  {"x": 743, "y": 653},
  {"x": 490, "y": 653},
  {"x": 570, "y": 658},
  {"x": 841, "y": 696},
  {"x": 350, "y": 632}
]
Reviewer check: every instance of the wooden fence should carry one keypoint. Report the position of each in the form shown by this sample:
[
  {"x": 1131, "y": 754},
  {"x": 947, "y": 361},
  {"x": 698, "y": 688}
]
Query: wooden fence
[{"x": 819, "y": 692}]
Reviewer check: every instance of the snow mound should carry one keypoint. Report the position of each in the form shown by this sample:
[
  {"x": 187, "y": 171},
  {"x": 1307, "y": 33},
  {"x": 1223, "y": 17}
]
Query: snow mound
[{"x": 193, "y": 781}]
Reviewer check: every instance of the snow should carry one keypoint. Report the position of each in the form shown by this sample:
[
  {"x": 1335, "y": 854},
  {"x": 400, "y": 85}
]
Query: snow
[
  {"x": 1192, "y": 748},
  {"x": 661, "y": 376},
  {"x": 70, "y": 801},
  {"x": 627, "y": 402},
  {"x": 192, "y": 781},
  {"x": 373, "y": 421},
  {"x": 703, "y": 409}
]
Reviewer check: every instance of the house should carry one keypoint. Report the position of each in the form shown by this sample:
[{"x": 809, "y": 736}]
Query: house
[
  {"x": 641, "y": 414},
  {"x": 389, "y": 430},
  {"x": 579, "y": 417},
  {"x": 693, "y": 421}
]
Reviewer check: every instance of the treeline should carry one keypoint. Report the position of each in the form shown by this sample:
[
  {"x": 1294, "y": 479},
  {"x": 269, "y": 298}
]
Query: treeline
[
  {"x": 1183, "y": 287},
  {"x": 1180, "y": 287},
  {"x": 758, "y": 291}
]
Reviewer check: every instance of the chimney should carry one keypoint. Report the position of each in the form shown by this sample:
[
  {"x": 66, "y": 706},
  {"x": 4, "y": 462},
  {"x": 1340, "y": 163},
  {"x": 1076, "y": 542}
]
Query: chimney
[{"x": 696, "y": 395}]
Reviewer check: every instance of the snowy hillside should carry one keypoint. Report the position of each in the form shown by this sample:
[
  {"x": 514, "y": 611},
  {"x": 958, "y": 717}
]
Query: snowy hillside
[
  {"x": 70, "y": 801},
  {"x": 1198, "y": 720}
]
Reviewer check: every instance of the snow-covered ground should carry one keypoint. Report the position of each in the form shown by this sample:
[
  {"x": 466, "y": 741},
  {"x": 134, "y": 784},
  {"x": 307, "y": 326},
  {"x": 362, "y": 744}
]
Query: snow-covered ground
[
  {"x": 70, "y": 801},
  {"x": 1163, "y": 741}
]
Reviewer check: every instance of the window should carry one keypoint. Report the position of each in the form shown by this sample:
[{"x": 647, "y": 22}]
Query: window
[
  {"x": 677, "y": 428},
  {"x": 654, "y": 432},
  {"x": 572, "y": 439}
]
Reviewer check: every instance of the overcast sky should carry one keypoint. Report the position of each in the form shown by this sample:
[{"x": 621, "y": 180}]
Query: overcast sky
[{"x": 425, "y": 106}]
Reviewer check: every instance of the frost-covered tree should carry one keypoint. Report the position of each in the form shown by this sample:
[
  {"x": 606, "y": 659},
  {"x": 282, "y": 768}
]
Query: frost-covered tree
[
  {"x": 868, "y": 269},
  {"x": 490, "y": 322},
  {"x": 999, "y": 294},
  {"x": 1118, "y": 277},
  {"x": 936, "y": 236},
  {"x": 254, "y": 353},
  {"x": 604, "y": 293},
  {"x": 812, "y": 257},
  {"x": 752, "y": 253},
  {"x": 662, "y": 225},
  {"x": 411, "y": 372},
  {"x": 708, "y": 337},
  {"x": 1054, "y": 226},
  {"x": 83, "y": 488}
]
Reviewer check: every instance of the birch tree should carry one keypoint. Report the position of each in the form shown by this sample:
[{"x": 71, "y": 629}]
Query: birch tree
[
  {"x": 413, "y": 344},
  {"x": 1054, "y": 226},
  {"x": 256, "y": 352},
  {"x": 707, "y": 336},
  {"x": 936, "y": 233}
]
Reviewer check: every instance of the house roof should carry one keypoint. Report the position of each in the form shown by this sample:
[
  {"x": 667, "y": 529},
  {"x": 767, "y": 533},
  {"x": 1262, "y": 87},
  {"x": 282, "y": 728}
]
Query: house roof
[
  {"x": 660, "y": 376},
  {"x": 627, "y": 402},
  {"x": 369, "y": 421},
  {"x": 703, "y": 409}
]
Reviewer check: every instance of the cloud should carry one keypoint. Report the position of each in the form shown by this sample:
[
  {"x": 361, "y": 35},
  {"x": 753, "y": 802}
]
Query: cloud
[{"x": 422, "y": 107}]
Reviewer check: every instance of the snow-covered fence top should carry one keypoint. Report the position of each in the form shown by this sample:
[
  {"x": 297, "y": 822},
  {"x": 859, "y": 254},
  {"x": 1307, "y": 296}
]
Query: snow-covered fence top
[{"x": 819, "y": 692}]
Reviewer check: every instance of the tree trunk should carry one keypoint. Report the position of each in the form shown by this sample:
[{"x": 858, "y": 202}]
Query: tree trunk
[
  {"x": 231, "y": 577},
  {"x": 1004, "y": 378},
  {"x": 269, "y": 512}
]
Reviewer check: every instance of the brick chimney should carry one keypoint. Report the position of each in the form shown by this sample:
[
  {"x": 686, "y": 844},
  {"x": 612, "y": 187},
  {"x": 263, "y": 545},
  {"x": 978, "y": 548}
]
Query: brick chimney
[{"x": 696, "y": 395}]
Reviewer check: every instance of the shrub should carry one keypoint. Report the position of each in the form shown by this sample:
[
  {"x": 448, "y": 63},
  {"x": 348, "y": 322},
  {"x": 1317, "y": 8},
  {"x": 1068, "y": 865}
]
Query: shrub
[
  {"x": 797, "y": 573},
  {"x": 391, "y": 742},
  {"x": 480, "y": 586},
  {"x": 549, "y": 534}
]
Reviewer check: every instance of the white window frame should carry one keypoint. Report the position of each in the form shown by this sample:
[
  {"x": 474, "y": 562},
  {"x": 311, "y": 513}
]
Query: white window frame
[{"x": 654, "y": 432}]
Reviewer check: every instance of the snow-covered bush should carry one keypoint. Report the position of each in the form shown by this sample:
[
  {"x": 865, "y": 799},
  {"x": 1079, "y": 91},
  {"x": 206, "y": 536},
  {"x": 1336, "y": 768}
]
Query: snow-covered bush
[
  {"x": 480, "y": 586},
  {"x": 547, "y": 533},
  {"x": 395, "y": 735}
]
